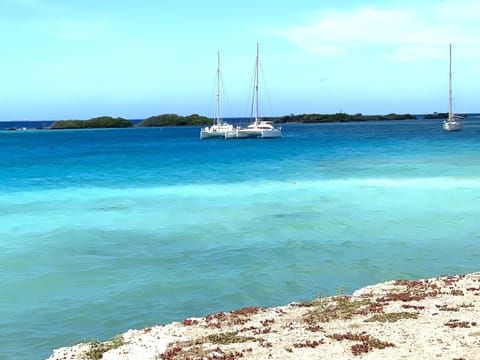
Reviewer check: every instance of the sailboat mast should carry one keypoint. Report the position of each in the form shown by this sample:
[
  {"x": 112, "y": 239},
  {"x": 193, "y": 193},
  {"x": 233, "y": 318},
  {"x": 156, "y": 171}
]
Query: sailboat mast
[
  {"x": 450, "y": 110},
  {"x": 218, "y": 89},
  {"x": 256, "y": 88}
]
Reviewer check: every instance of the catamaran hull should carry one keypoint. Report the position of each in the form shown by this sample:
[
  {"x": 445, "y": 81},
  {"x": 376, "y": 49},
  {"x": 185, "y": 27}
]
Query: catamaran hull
[
  {"x": 264, "y": 134},
  {"x": 211, "y": 135},
  {"x": 248, "y": 134},
  {"x": 232, "y": 134},
  {"x": 452, "y": 125},
  {"x": 269, "y": 134},
  {"x": 240, "y": 134},
  {"x": 227, "y": 134}
]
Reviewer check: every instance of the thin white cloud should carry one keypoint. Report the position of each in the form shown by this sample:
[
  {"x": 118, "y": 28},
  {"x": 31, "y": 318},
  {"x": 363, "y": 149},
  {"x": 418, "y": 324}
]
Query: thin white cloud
[
  {"x": 458, "y": 10},
  {"x": 410, "y": 53},
  {"x": 76, "y": 30},
  {"x": 404, "y": 34}
]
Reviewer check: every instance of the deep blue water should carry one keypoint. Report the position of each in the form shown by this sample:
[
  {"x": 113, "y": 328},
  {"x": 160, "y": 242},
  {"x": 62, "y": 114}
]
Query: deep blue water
[{"x": 111, "y": 229}]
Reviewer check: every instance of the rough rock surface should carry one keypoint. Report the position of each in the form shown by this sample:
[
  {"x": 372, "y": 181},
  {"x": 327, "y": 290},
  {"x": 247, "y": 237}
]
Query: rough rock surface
[{"x": 422, "y": 319}]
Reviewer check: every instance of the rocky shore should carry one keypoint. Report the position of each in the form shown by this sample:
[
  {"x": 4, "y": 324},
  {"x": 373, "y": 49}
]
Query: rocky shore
[{"x": 422, "y": 319}]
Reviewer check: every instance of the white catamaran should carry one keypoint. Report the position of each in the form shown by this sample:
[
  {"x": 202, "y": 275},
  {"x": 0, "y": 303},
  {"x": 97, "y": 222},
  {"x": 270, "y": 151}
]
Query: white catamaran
[
  {"x": 454, "y": 122},
  {"x": 258, "y": 128},
  {"x": 220, "y": 129}
]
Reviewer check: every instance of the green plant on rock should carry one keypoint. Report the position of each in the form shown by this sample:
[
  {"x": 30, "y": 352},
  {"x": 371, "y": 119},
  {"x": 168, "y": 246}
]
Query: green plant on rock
[
  {"x": 97, "y": 349},
  {"x": 392, "y": 317},
  {"x": 339, "y": 307}
]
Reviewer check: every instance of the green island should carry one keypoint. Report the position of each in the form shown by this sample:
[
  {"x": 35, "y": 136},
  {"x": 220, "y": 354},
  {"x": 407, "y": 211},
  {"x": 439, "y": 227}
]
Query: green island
[
  {"x": 339, "y": 117},
  {"x": 199, "y": 120},
  {"x": 95, "y": 123},
  {"x": 436, "y": 116},
  {"x": 175, "y": 120},
  {"x": 192, "y": 120}
]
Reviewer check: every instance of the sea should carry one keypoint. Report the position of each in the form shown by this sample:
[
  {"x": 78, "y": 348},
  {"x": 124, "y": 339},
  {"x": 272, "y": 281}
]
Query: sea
[{"x": 106, "y": 230}]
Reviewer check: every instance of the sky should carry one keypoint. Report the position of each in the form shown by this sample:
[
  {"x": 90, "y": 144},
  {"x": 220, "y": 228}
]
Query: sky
[{"x": 138, "y": 58}]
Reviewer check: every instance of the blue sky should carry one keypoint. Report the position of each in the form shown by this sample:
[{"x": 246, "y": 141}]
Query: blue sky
[{"x": 135, "y": 59}]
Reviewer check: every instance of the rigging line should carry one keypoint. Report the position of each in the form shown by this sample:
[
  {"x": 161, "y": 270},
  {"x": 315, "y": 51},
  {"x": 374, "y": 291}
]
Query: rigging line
[
  {"x": 212, "y": 95},
  {"x": 251, "y": 99},
  {"x": 266, "y": 88},
  {"x": 227, "y": 100},
  {"x": 253, "y": 84}
]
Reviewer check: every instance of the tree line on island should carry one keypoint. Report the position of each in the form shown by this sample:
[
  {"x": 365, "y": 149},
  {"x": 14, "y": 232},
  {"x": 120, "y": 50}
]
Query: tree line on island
[
  {"x": 110, "y": 122},
  {"x": 340, "y": 117},
  {"x": 95, "y": 123},
  {"x": 198, "y": 120}
]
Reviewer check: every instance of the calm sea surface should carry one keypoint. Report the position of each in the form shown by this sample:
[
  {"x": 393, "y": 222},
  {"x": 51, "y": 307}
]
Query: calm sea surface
[{"x": 102, "y": 231}]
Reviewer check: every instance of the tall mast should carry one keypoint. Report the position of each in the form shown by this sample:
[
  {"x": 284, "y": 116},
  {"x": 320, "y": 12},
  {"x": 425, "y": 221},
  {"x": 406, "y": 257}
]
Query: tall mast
[
  {"x": 256, "y": 88},
  {"x": 450, "y": 111},
  {"x": 218, "y": 121}
]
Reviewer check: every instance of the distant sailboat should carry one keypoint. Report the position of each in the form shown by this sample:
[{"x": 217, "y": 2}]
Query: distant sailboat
[
  {"x": 258, "y": 128},
  {"x": 454, "y": 122},
  {"x": 219, "y": 129}
]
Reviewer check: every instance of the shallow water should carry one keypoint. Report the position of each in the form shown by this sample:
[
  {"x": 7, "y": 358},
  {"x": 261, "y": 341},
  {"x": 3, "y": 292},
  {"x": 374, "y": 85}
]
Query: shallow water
[{"x": 106, "y": 230}]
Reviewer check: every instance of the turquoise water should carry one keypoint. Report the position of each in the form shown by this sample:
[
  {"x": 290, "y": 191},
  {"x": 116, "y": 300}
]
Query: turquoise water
[{"x": 106, "y": 230}]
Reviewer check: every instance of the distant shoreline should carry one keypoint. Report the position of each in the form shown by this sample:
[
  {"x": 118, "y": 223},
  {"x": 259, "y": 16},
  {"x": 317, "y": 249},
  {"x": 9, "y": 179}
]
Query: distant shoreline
[{"x": 16, "y": 125}]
